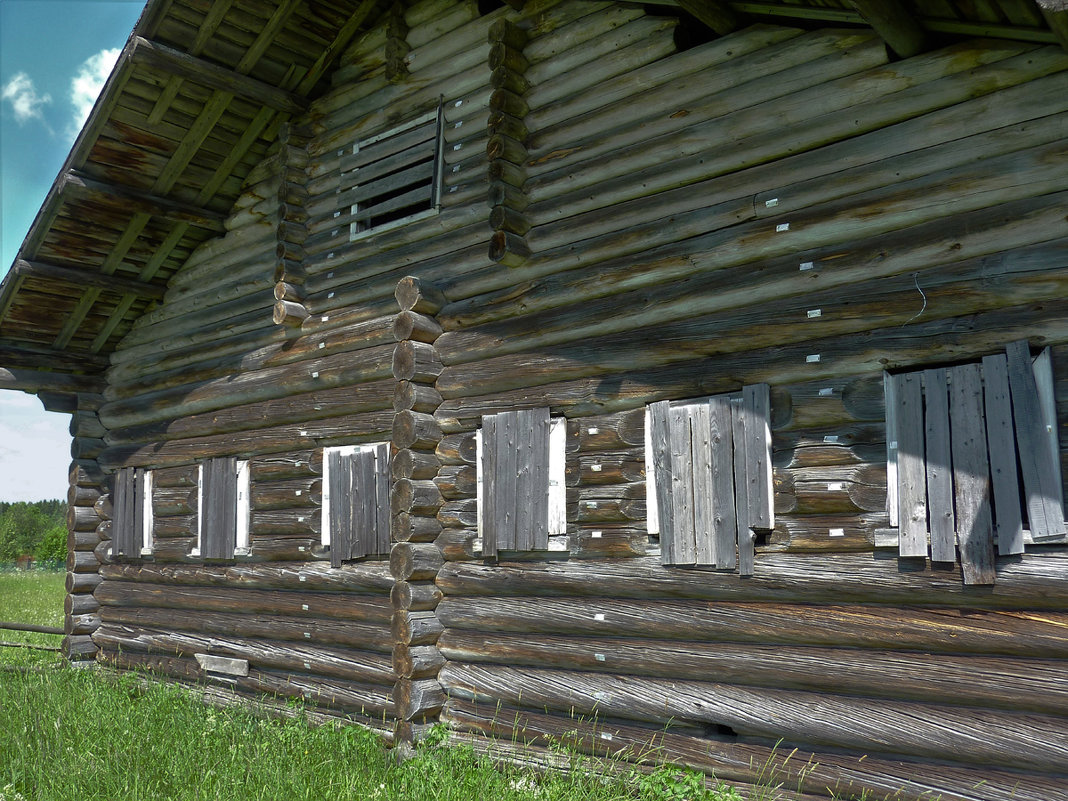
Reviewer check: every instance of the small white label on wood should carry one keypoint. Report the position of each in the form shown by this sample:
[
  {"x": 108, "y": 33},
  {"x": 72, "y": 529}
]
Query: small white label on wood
[
  {"x": 457, "y": 147},
  {"x": 599, "y": 617},
  {"x": 606, "y": 735},
  {"x": 835, "y": 486},
  {"x": 600, "y": 696},
  {"x": 806, "y": 265},
  {"x": 771, "y": 203},
  {"x": 315, "y": 375},
  {"x": 330, "y": 294},
  {"x": 304, "y": 607},
  {"x": 456, "y": 168},
  {"x": 782, "y": 227},
  {"x": 826, "y": 392},
  {"x": 330, "y": 255},
  {"x": 599, "y": 657},
  {"x": 326, "y": 317},
  {"x": 815, "y": 313},
  {"x": 831, "y": 439},
  {"x": 300, "y": 492},
  {"x": 334, "y": 231},
  {"x": 322, "y": 344},
  {"x": 307, "y": 635},
  {"x": 591, "y": 504},
  {"x": 302, "y": 578},
  {"x": 458, "y": 103},
  {"x": 596, "y": 468},
  {"x": 304, "y": 433},
  {"x": 595, "y": 534},
  {"x": 812, "y": 358},
  {"x": 222, "y": 664},
  {"x": 329, "y": 275},
  {"x": 593, "y": 430},
  {"x": 837, "y": 532},
  {"x": 453, "y": 189},
  {"x": 307, "y": 666},
  {"x": 458, "y": 124}
]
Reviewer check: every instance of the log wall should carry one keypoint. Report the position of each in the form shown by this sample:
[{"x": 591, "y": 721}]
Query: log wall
[{"x": 621, "y": 221}]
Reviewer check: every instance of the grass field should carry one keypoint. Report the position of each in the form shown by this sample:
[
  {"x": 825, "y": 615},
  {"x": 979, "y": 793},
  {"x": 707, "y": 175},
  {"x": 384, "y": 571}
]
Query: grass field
[{"x": 70, "y": 733}]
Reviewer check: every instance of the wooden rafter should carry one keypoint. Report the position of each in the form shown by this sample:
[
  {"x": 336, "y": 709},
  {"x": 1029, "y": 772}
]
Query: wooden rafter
[
  {"x": 205, "y": 73},
  {"x": 894, "y": 24},
  {"x": 1056, "y": 15},
  {"x": 717, "y": 15},
  {"x": 36, "y": 269},
  {"x": 22, "y": 354},
  {"x": 38, "y": 380},
  {"x": 81, "y": 185}
]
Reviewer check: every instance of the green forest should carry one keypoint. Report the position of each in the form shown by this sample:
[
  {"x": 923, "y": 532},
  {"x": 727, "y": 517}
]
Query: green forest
[{"x": 37, "y": 529}]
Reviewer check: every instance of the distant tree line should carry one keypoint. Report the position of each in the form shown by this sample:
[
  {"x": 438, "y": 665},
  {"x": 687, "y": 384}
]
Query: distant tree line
[{"x": 37, "y": 529}]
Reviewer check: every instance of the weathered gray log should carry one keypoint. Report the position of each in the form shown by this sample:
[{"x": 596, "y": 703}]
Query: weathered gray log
[
  {"x": 418, "y": 699},
  {"x": 415, "y": 628},
  {"x": 415, "y": 430},
  {"x": 417, "y": 397},
  {"x": 1034, "y": 583},
  {"x": 413, "y": 325},
  {"x": 414, "y": 596},
  {"x": 304, "y": 493},
  {"x": 459, "y": 544},
  {"x": 82, "y": 562},
  {"x": 457, "y": 448},
  {"x": 412, "y": 464},
  {"x": 102, "y": 506},
  {"x": 456, "y": 481},
  {"x": 364, "y": 577},
  {"x": 81, "y": 582},
  {"x": 78, "y": 647},
  {"x": 416, "y": 295},
  {"x": 284, "y": 466},
  {"x": 81, "y": 624},
  {"x": 409, "y": 561},
  {"x": 416, "y": 361},
  {"x": 82, "y": 540},
  {"x": 82, "y": 496},
  {"x": 458, "y": 514},
  {"x": 975, "y": 736},
  {"x": 414, "y": 528},
  {"x": 418, "y": 662}
]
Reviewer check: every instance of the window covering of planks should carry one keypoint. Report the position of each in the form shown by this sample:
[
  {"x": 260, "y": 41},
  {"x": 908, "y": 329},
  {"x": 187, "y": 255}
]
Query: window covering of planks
[
  {"x": 961, "y": 441},
  {"x": 521, "y": 495},
  {"x": 709, "y": 461},
  {"x": 391, "y": 178},
  {"x": 217, "y": 508},
  {"x": 356, "y": 506},
  {"x": 131, "y": 533}
]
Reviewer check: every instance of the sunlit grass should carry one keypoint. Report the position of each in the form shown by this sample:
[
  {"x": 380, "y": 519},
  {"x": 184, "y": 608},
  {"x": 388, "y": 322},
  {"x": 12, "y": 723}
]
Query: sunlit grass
[{"x": 30, "y": 596}]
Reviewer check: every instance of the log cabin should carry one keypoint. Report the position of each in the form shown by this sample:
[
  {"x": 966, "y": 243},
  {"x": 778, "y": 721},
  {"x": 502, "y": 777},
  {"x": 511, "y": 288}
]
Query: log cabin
[{"x": 684, "y": 381}]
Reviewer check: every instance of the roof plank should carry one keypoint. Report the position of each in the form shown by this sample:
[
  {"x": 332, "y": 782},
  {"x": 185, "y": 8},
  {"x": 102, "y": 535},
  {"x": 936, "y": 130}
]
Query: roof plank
[
  {"x": 37, "y": 269},
  {"x": 82, "y": 185}
]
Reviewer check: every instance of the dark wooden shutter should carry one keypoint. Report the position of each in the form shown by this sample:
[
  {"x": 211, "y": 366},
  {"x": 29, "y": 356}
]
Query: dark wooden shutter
[
  {"x": 218, "y": 533},
  {"x": 515, "y": 481},
  {"x": 359, "y": 503},
  {"x": 126, "y": 523},
  {"x": 340, "y": 514}
]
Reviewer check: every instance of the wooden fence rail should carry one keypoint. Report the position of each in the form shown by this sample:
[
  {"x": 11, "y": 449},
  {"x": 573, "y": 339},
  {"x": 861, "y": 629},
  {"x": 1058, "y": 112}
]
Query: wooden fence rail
[{"x": 4, "y": 625}]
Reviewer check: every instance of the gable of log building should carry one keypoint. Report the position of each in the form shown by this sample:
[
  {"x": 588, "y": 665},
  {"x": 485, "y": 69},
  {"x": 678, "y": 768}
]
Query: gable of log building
[{"x": 779, "y": 206}]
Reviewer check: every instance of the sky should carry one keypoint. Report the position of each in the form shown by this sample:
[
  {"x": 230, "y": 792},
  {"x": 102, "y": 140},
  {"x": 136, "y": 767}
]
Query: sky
[{"x": 54, "y": 57}]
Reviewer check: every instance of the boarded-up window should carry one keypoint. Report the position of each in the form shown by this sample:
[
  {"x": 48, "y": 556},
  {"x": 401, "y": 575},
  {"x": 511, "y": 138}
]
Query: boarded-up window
[
  {"x": 223, "y": 508},
  {"x": 521, "y": 494},
  {"x": 356, "y": 501},
  {"x": 708, "y": 463},
  {"x": 961, "y": 442},
  {"x": 131, "y": 501},
  {"x": 392, "y": 178}
]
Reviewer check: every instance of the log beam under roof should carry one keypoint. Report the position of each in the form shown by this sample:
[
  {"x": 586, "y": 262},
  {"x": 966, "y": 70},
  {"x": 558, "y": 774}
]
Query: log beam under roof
[
  {"x": 36, "y": 357},
  {"x": 205, "y": 73},
  {"x": 83, "y": 278},
  {"x": 894, "y": 24},
  {"x": 718, "y": 16},
  {"x": 1056, "y": 14},
  {"x": 39, "y": 380},
  {"x": 83, "y": 185}
]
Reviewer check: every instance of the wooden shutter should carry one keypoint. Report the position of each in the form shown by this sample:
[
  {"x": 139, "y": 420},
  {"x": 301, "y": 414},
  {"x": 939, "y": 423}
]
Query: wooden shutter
[
  {"x": 218, "y": 516},
  {"x": 126, "y": 523},
  {"x": 359, "y": 502},
  {"x": 712, "y": 476},
  {"x": 340, "y": 478},
  {"x": 515, "y": 481}
]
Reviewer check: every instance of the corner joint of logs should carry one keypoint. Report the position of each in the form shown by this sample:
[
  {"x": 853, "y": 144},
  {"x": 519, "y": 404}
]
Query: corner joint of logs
[{"x": 290, "y": 231}]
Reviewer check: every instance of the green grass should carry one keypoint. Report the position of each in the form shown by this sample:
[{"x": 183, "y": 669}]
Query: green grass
[{"x": 30, "y": 596}]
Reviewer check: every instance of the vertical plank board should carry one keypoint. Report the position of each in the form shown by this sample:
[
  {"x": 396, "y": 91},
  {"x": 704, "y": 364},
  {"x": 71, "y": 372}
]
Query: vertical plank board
[
  {"x": 891, "y": 449},
  {"x": 939, "y": 466},
  {"x": 228, "y": 507},
  {"x": 364, "y": 497},
  {"x": 1045, "y": 512},
  {"x": 339, "y": 477},
  {"x": 381, "y": 500},
  {"x": 122, "y": 526},
  {"x": 147, "y": 521},
  {"x": 211, "y": 530},
  {"x": 504, "y": 520},
  {"x": 660, "y": 440},
  {"x": 542, "y": 454},
  {"x": 137, "y": 521},
  {"x": 703, "y": 496},
  {"x": 911, "y": 475},
  {"x": 724, "y": 522},
  {"x": 1042, "y": 368},
  {"x": 971, "y": 475},
  {"x": 488, "y": 507},
  {"x": 746, "y": 537},
  {"x": 524, "y": 479},
  {"x": 1001, "y": 447},
  {"x": 757, "y": 401},
  {"x": 685, "y": 547}
]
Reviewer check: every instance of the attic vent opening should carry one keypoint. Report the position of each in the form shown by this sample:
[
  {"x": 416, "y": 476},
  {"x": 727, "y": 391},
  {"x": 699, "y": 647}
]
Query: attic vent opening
[{"x": 394, "y": 177}]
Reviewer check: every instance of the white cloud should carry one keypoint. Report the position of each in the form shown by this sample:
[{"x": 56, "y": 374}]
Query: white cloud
[
  {"x": 35, "y": 450},
  {"x": 22, "y": 95},
  {"x": 87, "y": 83}
]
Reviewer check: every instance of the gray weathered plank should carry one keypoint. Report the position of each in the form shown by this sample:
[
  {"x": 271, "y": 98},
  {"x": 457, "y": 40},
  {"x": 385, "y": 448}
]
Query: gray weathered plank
[
  {"x": 364, "y": 495},
  {"x": 660, "y": 439},
  {"x": 339, "y": 468},
  {"x": 504, "y": 518},
  {"x": 219, "y": 535},
  {"x": 524, "y": 485},
  {"x": 971, "y": 475},
  {"x": 539, "y": 448},
  {"x": 911, "y": 476},
  {"x": 725, "y": 524},
  {"x": 490, "y": 477},
  {"x": 1001, "y": 446},
  {"x": 704, "y": 497},
  {"x": 123, "y": 525},
  {"x": 939, "y": 466},
  {"x": 757, "y": 401},
  {"x": 682, "y": 498},
  {"x": 891, "y": 448},
  {"x": 381, "y": 500},
  {"x": 137, "y": 535},
  {"x": 746, "y": 537},
  {"x": 1042, "y": 367},
  {"x": 1045, "y": 510}
]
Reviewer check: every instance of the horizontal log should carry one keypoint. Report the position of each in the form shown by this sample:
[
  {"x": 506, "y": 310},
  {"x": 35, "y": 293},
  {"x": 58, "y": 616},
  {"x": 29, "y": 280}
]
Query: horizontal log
[
  {"x": 461, "y": 513},
  {"x": 456, "y": 481},
  {"x": 81, "y": 624},
  {"x": 415, "y": 326},
  {"x": 419, "y": 662},
  {"x": 82, "y": 540},
  {"x": 459, "y": 544},
  {"x": 82, "y": 562},
  {"x": 82, "y": 496},
  {"x": 417, "y": 397},
  {"x": 414, "y": 596},
  {"x": 410, "y": 561},
  {"x": 415, "y": 430},
  {"x": 1036, "y": 582},
  {"x": 77, "y": 583},
  {"x": 416, "y": 361},
  {"x": 457, "y": 448},
  {"x": 735, "y": 762},
  {"x": 411, "y": 464},
  {"x": 970, "y": 735},
  {"x": 415, "y": 628},
  {"x": 418, "y": 699},
  {"x": 364, "y": 577},
  {"x": 78, "y": 647},
  {"x": 607, "y": 432},
  {"x": 308, "y": 605},
  {"x": 282, "y": 466},
  {"x": 414, "y": 528},
  {"x": 86, "y": 278},
  {"x": 363, "y": 636},
  {"x": 414, "y": 294},
  {"x": 303, "y": 493}
]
